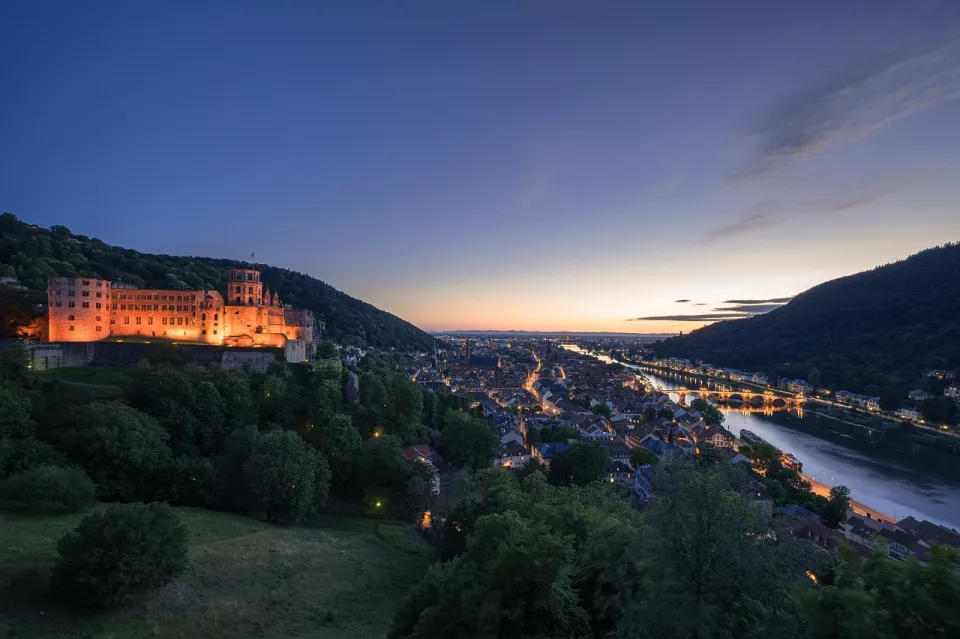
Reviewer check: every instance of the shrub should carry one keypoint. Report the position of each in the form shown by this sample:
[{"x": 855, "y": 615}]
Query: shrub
[
  {"x": 19, "y": 455},
  {"x": 48, "y": 489},
  {"x": 117, "y": 555}
]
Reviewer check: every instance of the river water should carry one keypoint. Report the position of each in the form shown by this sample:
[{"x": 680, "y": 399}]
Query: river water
[{"x": 897, "y": 479}]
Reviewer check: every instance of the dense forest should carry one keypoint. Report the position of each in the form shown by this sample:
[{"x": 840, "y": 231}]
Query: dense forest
[
  {"x": 884, "y": 328},
  {"x": 31, "y": 254}
]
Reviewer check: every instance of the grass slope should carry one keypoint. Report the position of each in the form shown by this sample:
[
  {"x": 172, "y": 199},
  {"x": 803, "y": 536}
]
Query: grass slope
[{"x": 342, "y": 578}]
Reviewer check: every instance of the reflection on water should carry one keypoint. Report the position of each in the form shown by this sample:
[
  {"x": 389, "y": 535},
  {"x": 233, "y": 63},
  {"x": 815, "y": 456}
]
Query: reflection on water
[{"x": 910, "y": 481}]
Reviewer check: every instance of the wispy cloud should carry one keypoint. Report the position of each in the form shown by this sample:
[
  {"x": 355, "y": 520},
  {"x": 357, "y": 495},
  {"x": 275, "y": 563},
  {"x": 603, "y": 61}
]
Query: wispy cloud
[
  {"x": 750, "y": 308},
  {"x": 858, "y": 102},
  {"x": 704, "y": 317},
  {"x": 764, "y": 216},
  {"x": 681, "y": 301},
  {"x": 773, "y": 300}
]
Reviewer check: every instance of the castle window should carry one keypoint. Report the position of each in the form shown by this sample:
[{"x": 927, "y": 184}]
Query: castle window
[
  {"x": 138, "y": 321},
  {"x": 123, "y": 307},
  {"x": 126, "y": 320},
  {"x": 85, "y": 293},
  {"x": 214, "y": 331},
  {"x": 249, "y": 290},
  {"x": 99, "y": 329},
  {"x": 58, "y": 303},
  {"x": 71, "y": 328},
  {"x": 164, "y": 320},
  {"x": 163, "y": 307},
  {"x": 238, "y": 300},
  {"x": 59, "y": 292},
  {"x": 71, "y": 293},
  {"x": 249, "y": 300},
  {"x": 114, "y": 307},
  {"x": 86, "y": 304},
  {"x": 171, "y": 321},
  {"x": 149, "y": 321},
  {"x": 99, "y": 283},
  {"x": 71, "y": 304},
  {"x": 203, "y": 332},
  {"x": 71, "y": 317},
  {"x": 99, "y": 305},
  {"x": 239, "y": 289},
  {"x": 86, "y": 282},
  {"x": 113, "y": 321},
  {"x": 203, "y": 317},
  {"x": 99, "y": 318},
  {"x": 216, "y": 316},
  {"x": 179, "y": 321},
  {"x": 99, "y": 294}
]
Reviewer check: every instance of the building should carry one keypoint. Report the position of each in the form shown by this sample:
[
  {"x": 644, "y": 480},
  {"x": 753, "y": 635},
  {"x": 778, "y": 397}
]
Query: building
[
  {"x": 88, "y": 310},
  {"x": 796, "y": 386},
  {"x": 953, "y": 392}
]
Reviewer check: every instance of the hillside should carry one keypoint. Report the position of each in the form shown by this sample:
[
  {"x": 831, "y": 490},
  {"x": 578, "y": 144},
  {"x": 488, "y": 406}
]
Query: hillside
[
  {"x": 339, "y": 578},
  {"x": 884, "y": 327},
  {"x": 32, "y": 254}
]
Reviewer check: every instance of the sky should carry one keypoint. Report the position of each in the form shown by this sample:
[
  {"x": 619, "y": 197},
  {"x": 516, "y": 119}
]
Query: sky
[{"x": 496, "y": 165}]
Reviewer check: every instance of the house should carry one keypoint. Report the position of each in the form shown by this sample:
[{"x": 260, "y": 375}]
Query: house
[
  {"x": 547, "y": 451},
  {"x": 662, "y": 449},
  {"x": 953, "y": 392},
  {"x": 909, "y": 413},
  {"x": 594, "y": 432},
  {"x": 514, "y": 455},
  {"x": 918, "y": 395},
  {"x": 424, "y": 454},
  {"x": 619, "y": 471},
  {"x": 930, "y": 533},
  {"x": 643, "y": 483},
  {"x": 807, "y": 525},
  {"x": 619, "y": 450},
  {"x": 760, "y": 378},
  {"x": 511, "y": 435},
  {"x": 714, "y": 435},
  {"x": 796, "y": 386}
]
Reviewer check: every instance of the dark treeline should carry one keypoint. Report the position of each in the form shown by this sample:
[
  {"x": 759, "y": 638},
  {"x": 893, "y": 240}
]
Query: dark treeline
[
  {"x": 275, "y": 445},
  {"x": 525, "y": 558},
  {"x": 31, "y": 254},
  {"x": 880, "y": 330}
]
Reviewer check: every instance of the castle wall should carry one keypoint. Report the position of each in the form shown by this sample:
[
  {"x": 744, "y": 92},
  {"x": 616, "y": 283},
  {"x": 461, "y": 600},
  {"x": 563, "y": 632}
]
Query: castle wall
[{"x": 78, "y": 309}]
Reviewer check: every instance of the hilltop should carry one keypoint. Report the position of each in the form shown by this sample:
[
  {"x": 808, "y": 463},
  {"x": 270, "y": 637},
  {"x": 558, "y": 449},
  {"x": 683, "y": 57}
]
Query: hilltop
[
  {"x": 31, "y": 254},
  {"x": 883, "y": 327}
]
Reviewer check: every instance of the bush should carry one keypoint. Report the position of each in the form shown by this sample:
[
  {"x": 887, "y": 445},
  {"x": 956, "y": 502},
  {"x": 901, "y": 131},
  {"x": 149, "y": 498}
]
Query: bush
[
  {"x": 48, "y": 489},
  {"x": 117, "y": 555},
  {"x": 19, "y": 455}
]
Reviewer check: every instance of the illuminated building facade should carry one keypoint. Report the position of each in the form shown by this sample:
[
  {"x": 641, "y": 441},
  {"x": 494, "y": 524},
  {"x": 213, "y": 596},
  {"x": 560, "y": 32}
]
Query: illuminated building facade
[{"x": 87, "y": 310}]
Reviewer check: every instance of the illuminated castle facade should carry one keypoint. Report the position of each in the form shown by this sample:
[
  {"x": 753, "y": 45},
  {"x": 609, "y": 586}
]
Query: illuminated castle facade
[{"x": 87, "y": 310}]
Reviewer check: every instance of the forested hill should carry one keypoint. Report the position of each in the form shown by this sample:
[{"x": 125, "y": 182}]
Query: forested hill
[
  {"x": 31, "y": 254},
  {"x": 884, "y": 327}
]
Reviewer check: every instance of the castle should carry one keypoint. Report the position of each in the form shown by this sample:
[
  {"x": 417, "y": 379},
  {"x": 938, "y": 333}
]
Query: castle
[{"x": 87, "y": 310}]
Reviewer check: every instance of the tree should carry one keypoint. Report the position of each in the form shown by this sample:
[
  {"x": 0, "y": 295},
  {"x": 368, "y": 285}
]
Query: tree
[
  {"x": 48, "y": 488},
  {"x": 711, "y": 414},
  {"x": 122, "y": 449},
  {"x": 814, "y": 377},
  {"x": 341, "y": 447},
  {"x": 580, "y": 464},
  {"x": 512, "y": 580},
  {"x": 601, "y": 409},
  {"x": 284, "y": 478},
  {"x": 117, "y": 555},
  {"x": 641, "y": 456},
  {"x": 937, "y": 409},
  {"x": 837, "y": 507},
  {"x": 468, "y": 442},
  {"x": 531, "y": 467},
  {"x": 19, "y": 455},
  {"x": 707, "y": 551},
  {"x": 15, "y": 420}
]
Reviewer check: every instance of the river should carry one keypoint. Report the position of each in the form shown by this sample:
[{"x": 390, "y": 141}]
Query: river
[{"x": 909, "y": 480}]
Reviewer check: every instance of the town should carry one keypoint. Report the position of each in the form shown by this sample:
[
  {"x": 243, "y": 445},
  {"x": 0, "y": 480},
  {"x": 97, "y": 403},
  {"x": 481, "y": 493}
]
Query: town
[{"x": 544, "y": 395}]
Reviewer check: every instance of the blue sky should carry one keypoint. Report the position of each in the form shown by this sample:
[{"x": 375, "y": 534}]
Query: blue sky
[{"x": 529, "y": 165}]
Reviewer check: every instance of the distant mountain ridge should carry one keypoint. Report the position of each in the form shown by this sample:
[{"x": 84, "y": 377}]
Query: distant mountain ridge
[
  {"x": 32, "y": 253},
  {"x": 886, "y": 326}
]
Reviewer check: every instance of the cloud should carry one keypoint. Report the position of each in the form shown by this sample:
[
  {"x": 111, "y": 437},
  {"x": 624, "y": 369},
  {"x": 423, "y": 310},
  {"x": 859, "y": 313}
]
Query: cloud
[
  {"x": 700, "y": 304},
  {"x": 751, "y": 308},
  {"x": 856, "y": 103},
  {"x": 705, "y": 317},
  {"x": 764, "y": 216},
  {"x": 681, "y": 301},
  {"x": 773, "y": 300}
]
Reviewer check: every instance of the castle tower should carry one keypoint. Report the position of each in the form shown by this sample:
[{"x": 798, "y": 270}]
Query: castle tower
[
  {"x": 266, "y": 296},
  {"x": 244, "y": 287},
  {"x": 276, "y": 299}
]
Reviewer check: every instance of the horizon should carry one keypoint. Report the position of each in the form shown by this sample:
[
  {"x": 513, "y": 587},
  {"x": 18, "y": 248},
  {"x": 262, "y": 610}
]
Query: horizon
[{"x": 624, "y": 169}]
